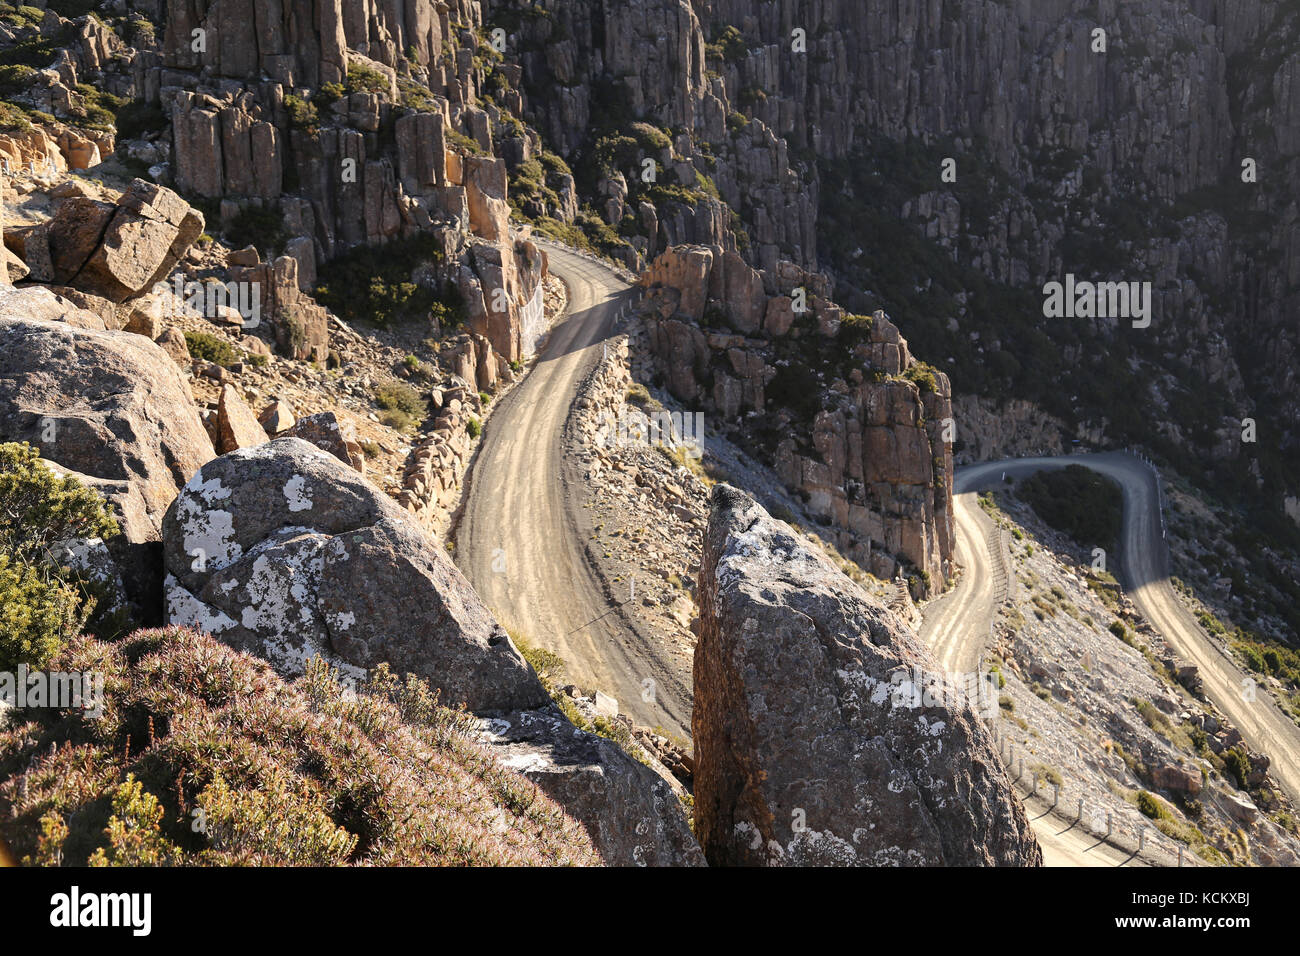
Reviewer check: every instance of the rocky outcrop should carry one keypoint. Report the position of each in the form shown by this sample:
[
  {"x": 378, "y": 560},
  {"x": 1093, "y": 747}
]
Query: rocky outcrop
[
  {"x": 330, "y": 434},
  {"x": 989, "y": 429},
  {"x": 113, "y": 408},
  {"x": 851, "y": 420},
  {"x": 372, "y": 165},
  {"x": 299, "y": 326},
  {"x": 114, "y": 251},
  {"x": 431, "y": 485},
  {"x": 12, "y": 267},
  {"x": 589, "y": 71},
  {"x": 285, "y": 552},
  {"x": 326, "y": 119},
  {"x": 825, "y": 732},
  {"x": 237, "y": 426},
  {"x": 277, "y": 417},
  {"x": 45, "y": 153},
  {"x": 38, "y": 304},
  {"x": 631, "y": 812}
]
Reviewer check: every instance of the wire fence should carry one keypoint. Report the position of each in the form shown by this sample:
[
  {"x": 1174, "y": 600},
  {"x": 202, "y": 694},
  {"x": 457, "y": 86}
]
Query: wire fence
[{"x": 1141, "y": 842}]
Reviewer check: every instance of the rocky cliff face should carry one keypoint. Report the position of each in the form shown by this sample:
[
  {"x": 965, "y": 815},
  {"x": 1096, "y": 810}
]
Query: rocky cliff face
[
  {"x": 333, "y": 127},
  {"x": 825, "y": 733},
  {"x": 344, "y": 117},
  {"x": 359, "y": 127},
  {"x": 1163, "y": 118},
  {"x": 832, "y": 122},
  {"x": 852, "y": 422},
  {"x": 591, "y": 70},
  {"x": 765, "y": 127}
]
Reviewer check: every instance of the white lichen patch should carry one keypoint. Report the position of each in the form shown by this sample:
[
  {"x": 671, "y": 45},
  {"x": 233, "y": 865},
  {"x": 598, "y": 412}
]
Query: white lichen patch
[
  {"x": 185, "y": 610},
  {"x": 282, "y": 586},
  {"x": 931, "y": 728},
  {"x": 821, "y": 849},
  {"x": 340, "y": 620},
  {"x": 494, "y": 726},
  {"x": 295, "y": 493},
  {"x": 525, "y": 761},
  {"x": 208, "y": 533}
]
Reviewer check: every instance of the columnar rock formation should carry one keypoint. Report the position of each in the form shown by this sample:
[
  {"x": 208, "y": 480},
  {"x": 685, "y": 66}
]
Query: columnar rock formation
[
  {"x": 351, "y": 125},
  {"x": 386, "y": 152},
  {"x": 590, "y": 69},
  {"x": 1176, "y": 138},
  {"x": 825, "y": 733},
  {"x": 851, "y": 420}
]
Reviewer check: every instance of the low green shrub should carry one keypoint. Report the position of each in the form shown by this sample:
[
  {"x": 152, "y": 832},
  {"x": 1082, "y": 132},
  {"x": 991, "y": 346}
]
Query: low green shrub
[
  {"x": 374, "y": 284},
  {"x": 43, "y": 602},
  {"x": 1151, "y": 806},
  {"x": 212, "y": 348},
  {"x": 366, "y": 79},
  {"x": 303, "y": 113},
  {"x": 403, "y": 407},
  {"x": 136, "y": 117},
  {"x": 38, "y": 615}
]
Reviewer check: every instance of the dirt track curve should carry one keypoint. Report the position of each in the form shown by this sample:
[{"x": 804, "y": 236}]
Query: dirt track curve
[
  {"x": 957, "y": 624},
  {"x": 517, "y": 537}
]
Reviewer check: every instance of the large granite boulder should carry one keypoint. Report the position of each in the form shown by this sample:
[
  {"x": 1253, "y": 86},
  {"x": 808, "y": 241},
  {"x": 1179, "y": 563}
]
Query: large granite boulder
[
  {"x": 824, "y": 732},
  {"x": 283, "y": 551},
  {"x": 111, "y": 408},
  {"x": 36, "y": 302}
]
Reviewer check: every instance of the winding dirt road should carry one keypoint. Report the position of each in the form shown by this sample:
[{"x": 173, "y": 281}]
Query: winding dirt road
[
  {"x": 957, "y": 624},
  {"x": 517, "y": 538}
]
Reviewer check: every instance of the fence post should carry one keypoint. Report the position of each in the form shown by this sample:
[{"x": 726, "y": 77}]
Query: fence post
[
  {"x": 1056, "y": 794},
  {"x": 1180, "y": 854},
  {"x": 1081, "y": 809},
  {"x": 1110, "y": 825},
  {"x": 1142, "y": 839}
]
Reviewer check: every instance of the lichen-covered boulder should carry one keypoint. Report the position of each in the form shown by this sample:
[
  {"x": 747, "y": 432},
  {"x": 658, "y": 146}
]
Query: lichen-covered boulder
[
  {"x": 824, "y": 731},
  {"x": 283, "y": 551}
]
